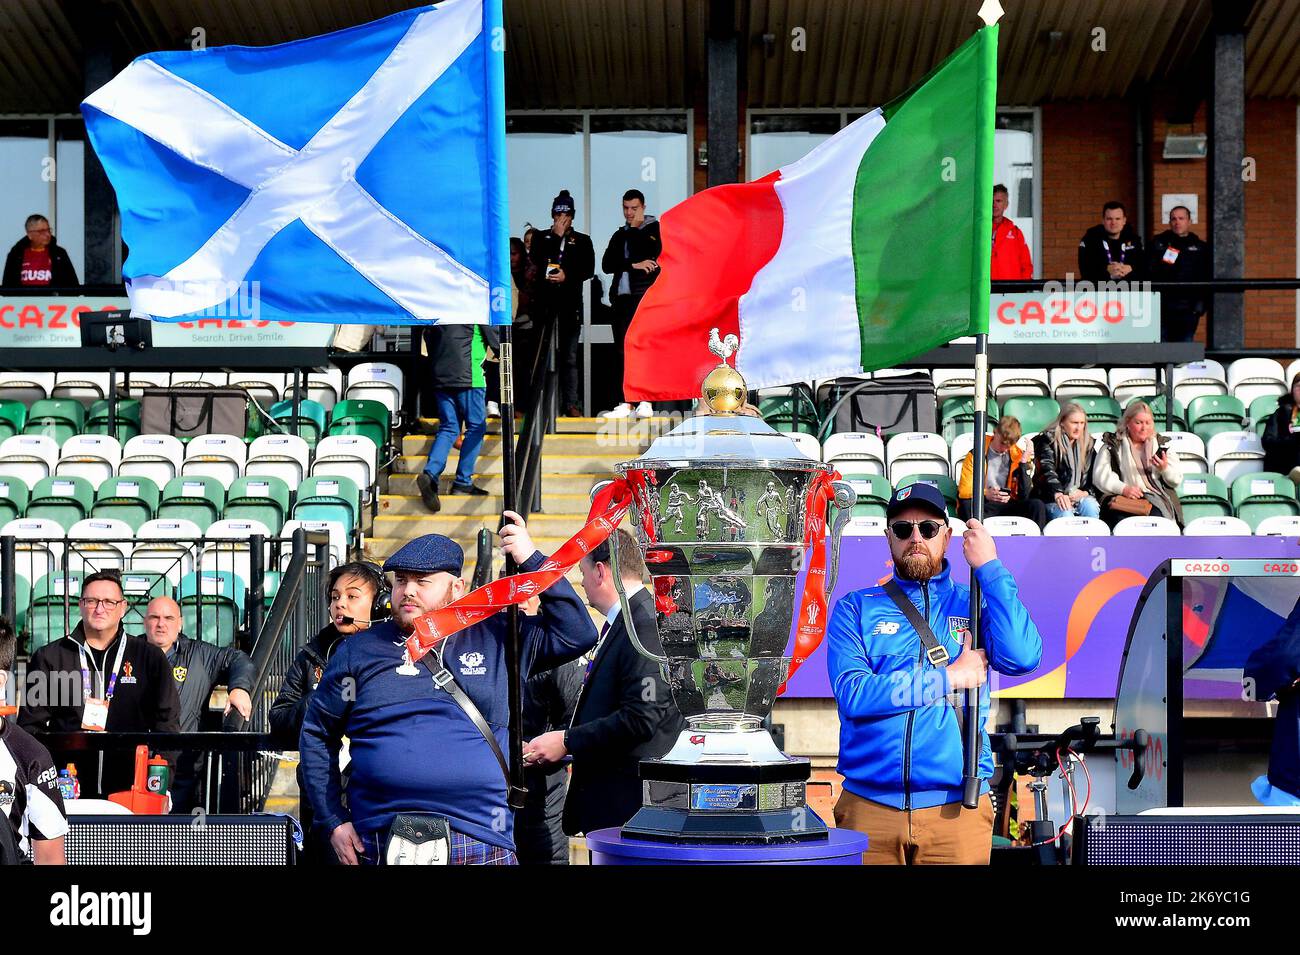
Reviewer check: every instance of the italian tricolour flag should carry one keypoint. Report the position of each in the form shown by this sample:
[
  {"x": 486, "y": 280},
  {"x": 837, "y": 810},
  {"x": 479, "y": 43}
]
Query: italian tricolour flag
[{"x": 871, "y": 249}]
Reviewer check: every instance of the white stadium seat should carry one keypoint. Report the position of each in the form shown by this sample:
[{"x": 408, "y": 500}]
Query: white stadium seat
[
  {"x": 1068, "y": 382},
  {"x": 221, "y": 456},
  {"x": 337, "y": 533},
  {"x": 1251, "y": 378},
  {"x": 865, "y": 449},
  {"x": 155, "y": 456},
  {"x": 38, "y": 548},
  {"x": 962, "y": 445},
  {"x": 100, "y": 543},
  {"x": 1217, "y": 527},
  {"x": 323, "y": 387},
  {"x": 140, "y": 380},
  {"x": 1190, "y": 450},
  {"x": 916, "y": 452},
  {"x": 26, "y": 386},
  {"x": 1129, "y": 383},
  {"x": 264, "y": 387},
  {"x": 1291, "y": 371},
  {"x": 865, "y": 527},
  {"x": 378, "y": 381},
  {"x": 1280, "y": 525},
  {"x": 1231, "y": 454},
  {"x": 86, "y": 387},
  {"x": 278, "y": 455},
  {"x": 807, "y": 444},
  {"x": 1146, "y": 527},
  {"x": 221, "y": 553},
  {"x": 95, "y": 457},
  {"x": 1197, "y": 378},
  {"x": 31, "y": 457},
  {"x": 1014, "y": 382},
  {"x": 1005, "y": 525},
  {"x": 347, "y": 455},
  {"x": 953, "y": 383},
  {"x": 164, "y": 546},
  {"x": 958, "y": 526},
  {"x": 1076, "y": 527}
]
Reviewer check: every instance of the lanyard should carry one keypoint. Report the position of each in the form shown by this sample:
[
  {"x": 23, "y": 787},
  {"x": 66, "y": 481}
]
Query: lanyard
[{"x": 86, "y": 686}]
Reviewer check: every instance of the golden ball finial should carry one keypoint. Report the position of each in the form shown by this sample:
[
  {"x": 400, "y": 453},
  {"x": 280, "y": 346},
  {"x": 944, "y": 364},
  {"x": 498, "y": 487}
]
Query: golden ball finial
[{"x": 724, "y": 390}]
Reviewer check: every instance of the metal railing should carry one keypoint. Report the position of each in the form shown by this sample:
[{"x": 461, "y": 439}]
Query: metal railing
[{"x": 539, "y": 421}]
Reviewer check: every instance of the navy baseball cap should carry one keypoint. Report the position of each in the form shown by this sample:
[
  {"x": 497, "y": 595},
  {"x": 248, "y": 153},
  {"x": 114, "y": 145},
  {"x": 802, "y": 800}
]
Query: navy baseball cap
[
  {"x": 430, "y": 554},
  {"x": 920, "y": 494}
]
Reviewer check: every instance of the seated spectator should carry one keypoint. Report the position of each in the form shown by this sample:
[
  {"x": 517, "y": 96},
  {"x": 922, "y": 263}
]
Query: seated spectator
[
  {"x": 1136, "y": 464},
  {"x": 1006, "y": 478},
  {"x": 1282, "y": 435},
  {"x": 1063, "y": 455},
  {"x": 1113, "y": 250},
  {"x": 38, "y": 260}
]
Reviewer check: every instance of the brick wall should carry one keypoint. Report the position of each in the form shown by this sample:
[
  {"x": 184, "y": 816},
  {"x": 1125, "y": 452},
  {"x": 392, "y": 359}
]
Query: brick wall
[{"x": 1271, "y": 221}]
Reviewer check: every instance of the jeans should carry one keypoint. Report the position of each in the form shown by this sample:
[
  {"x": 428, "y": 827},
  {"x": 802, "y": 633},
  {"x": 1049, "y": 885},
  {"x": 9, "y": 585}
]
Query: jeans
[
  {"x": 1088, "y": 507},
  {"x": 457, "y": 406}
]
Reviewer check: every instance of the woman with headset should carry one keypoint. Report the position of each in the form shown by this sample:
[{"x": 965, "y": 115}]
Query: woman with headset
[{"x": 358, "y": 596}]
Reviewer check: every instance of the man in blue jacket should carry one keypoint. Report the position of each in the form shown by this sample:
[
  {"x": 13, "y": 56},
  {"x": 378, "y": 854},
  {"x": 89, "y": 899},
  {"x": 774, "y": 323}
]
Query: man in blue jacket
[
  {"x": 412, "y": 748},
  {"x": 898, "y": 689}
]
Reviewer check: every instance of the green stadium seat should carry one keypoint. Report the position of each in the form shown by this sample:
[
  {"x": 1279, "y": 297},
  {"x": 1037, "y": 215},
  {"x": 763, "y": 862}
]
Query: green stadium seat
[
  {"x": 1034, "y": 414},
  {"x": 329, "y": 498},
  {"x": 65, "y": 500},
  {"x": 946, "y": 485},
  {"x": 957, "y": 417},
  {"x": 1261, "y": 409},
  {"x": 13, "y": 417},
  {"x": 1209, "y": 415},
  {"x": 790, "y": 410},
  {"x": 14, "y": 495},
  {"x": 264, "y": 499},
  {"x": 1204, "y": 495},
  {"x": 873, "y": 494},
  {"x": 22, "y": 601},
  {"x": 1157, "y": 404},
  {"x": 1264, "y": 494},
  {"x": 131, "y": 499},
  {"x": 59, "y": 418},
  {"x": 199, "y": 498},
  {"x": 212, "y": 606},
  {"x": 1103, "y": 413},
  {"x": 310, "y": 423},
  {"x": 128, "y": 419},
  {"x": 54, "y": 609},
  {"x": 140, "y": 587}
]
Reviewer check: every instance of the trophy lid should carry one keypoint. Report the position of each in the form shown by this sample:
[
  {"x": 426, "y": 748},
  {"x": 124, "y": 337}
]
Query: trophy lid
[{"x": 731, "y": 440}]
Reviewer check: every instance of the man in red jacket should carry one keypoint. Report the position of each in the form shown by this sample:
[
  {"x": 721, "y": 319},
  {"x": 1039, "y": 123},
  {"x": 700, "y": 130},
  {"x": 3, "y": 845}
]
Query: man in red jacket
[{"x": 1011, "y": 259}]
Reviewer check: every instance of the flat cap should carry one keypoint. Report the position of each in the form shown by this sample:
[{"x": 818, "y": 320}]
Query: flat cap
[{"x": 430, "y": 554}]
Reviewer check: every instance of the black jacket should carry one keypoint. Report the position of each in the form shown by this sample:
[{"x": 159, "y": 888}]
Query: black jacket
[
  {"x": 629, "y": 245},
  {"x": 615, "y": 726},
  {"x": 62, "y": 274},
  {"x": 1281, "y": 447},
  {"x": 300, "y": 681},
  {"x": 145, "y": 701},
  {"x": 549, "y": 701},
  {"x": 451, "y": 353},
  {"x": 197, "y": 667},
  {"x": 573, "y": 252},
  {"x": 1052, "y": 476},
  {"x": 1193, "y": 263},
  {"x": 1093, "y": 258}
]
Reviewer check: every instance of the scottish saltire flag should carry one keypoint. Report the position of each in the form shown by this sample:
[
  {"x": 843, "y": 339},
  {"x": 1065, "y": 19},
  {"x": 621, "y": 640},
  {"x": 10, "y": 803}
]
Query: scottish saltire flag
[{"x": 357, "y": 177}]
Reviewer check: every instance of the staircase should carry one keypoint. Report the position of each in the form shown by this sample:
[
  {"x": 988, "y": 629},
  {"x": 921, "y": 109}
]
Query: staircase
[{"x": 581, "y": 453}]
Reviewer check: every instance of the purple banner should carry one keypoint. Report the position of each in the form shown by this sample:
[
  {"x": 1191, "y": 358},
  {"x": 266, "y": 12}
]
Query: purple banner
[{"x": 1080, "y": 592}]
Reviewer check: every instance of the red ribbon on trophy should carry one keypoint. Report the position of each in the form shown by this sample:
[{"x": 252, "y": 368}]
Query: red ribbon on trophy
[
  {"x": 810, "y": 628},
  {"x": 607, "y": 511}
]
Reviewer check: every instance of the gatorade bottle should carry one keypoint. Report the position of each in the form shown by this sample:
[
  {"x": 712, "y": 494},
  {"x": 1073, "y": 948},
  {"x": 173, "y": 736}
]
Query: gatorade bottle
[
  {"x": 159, "y": 776},
  {"x": 69, "y": 785}
]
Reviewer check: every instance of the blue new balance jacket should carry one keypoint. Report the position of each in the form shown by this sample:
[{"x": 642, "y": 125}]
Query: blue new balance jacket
[
  {"x": 900, "y": 742},
  {"x": 412, "y": 748}
]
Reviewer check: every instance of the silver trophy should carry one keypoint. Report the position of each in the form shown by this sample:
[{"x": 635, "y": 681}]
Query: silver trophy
[{"x": 719, "y": 514}]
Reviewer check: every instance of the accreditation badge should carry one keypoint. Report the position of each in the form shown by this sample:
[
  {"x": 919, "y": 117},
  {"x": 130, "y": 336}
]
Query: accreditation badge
[
  {"x": 94, "y": 715},
  {"x": 1170, "y": 256}
]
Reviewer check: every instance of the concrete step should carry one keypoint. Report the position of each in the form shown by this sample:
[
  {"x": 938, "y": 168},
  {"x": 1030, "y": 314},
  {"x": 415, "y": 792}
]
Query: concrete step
[
  {"x": 403, "y": 484},
  {"x": 404, "y": 505},
  {"x": 614, "y": 441},
  {"x": 577, "y": 463}
]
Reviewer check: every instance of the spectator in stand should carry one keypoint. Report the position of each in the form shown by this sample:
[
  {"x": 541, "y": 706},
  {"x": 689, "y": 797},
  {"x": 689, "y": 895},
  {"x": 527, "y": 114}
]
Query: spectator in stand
[
  {"x": 355, "y": 591},
  {"x": 1006, "y": 477},
  {"x": 632, "y": 257},
  {"x": 38, "y": 260},
  {"x": 197, "y": 667},
  {"x": 100, "y": 678},
  {"x": 565, "y": 261},
  {"x": 1064, "y": 458},
  {"x": 1011, "y": 258},
  {"x": 1112, "y": 251},
  {"x": 1179, "y": 255},
  {"x": 1136, "y": 464},
  {"x": 527, "y": 330},
  {"x": 1282, "y": 435}
]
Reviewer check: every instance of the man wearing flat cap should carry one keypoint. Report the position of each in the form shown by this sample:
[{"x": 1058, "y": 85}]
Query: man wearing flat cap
[
  {"x": 413, "y": 748},
  {"x": 898, "y": 656}
]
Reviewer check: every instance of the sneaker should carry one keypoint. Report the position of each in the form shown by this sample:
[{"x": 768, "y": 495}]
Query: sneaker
[
  {"x": 644, "y": 410},
  {"x": 622, "y": 411},
  {"x": 466, "y": 489},
  {"x": 573, "y": 411},
  {"x": 493, "y": 410},
  {"x": 428, "y": 491}
]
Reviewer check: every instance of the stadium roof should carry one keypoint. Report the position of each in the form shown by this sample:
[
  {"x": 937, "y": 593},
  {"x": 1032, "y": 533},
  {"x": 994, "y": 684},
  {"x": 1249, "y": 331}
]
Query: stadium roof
[{"x": 652, "y": 53}]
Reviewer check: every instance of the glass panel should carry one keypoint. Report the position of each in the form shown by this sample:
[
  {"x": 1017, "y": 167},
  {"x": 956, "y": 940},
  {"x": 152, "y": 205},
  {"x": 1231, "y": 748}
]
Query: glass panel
[
  {"x": 1013, "y": 166},
  {"x": 70, "y": 154},
  {"x": 24, "y": 149},
  {"x": 779, "y": 139},
  {"x": 543, "y": 156}
]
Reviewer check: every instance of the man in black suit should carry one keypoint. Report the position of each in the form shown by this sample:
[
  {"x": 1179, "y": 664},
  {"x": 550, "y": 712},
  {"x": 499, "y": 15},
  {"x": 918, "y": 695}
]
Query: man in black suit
[{"x": 624, "y": 714}]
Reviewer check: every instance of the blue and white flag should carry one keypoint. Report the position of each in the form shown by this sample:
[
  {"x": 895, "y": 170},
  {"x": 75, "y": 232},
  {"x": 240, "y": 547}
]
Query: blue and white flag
[{"x": 357, "y": 177}]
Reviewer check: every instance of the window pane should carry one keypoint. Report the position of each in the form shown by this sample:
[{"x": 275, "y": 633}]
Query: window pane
[
  {"x": 543, "y": 156},
  {"x": 779, "y": 139},
  {"x": 70, "y": 153},
  {"x": 1013, "y": 166},
  {"x": 24, "y": 149}
]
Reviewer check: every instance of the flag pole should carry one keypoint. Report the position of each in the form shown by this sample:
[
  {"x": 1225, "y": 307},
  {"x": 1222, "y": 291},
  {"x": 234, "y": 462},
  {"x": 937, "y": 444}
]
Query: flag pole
[{"x": 985, "y": 110}]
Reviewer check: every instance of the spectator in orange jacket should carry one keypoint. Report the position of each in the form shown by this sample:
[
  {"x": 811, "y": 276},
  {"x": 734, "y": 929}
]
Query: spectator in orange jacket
[{"x": 1011, "y": 259}]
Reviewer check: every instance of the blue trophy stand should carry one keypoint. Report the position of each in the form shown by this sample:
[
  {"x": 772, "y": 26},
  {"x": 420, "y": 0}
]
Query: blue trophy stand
[{"x": 611, "y": 847}]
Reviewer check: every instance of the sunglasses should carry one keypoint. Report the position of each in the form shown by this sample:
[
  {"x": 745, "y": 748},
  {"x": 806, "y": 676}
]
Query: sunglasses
[{"x": 903, "y": 529}]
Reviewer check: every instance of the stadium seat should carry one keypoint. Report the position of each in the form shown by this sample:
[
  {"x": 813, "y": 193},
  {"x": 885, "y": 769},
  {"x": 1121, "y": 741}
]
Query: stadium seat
[
  {"x": 861, "y": 451},
  {"x": 263, "y": 387},
  {"x": 1157, "y": 404},
  {"x": 1076, "y": 527},
  {"x": 1129, "y": 383},
  {"x": 961, "y": 446},
  {"x": 789, "y": 409},
  {"x": 1209, "y": 415},
  {"x": 1278, "y": 527},
  {"x": 338, "y": 545},
  {"x": 28, "y": 387},
  {"x": 1198, "y": 378},
  {"x": 55, "y": 610},
  {"x": 220, "y": 456},
  {"x": 1235, "y": 453},
  {"x": 953, "y": 383},
  {"x": 1007, "y": 383},
  {"x": 331, "y": 498},
  {"x": 1034, "y": 414},
  {"x": 1146, "y": 527},
  {"x": 140, "y": 587},
  {"x": 64, "y": 500},
  {"x": 199, "y": 499},
  {"x": 85, "y": 387},
  {"x": 284, "y": 456},
  {"x": 212, "y": 606},
  {"x": 873, "y": 494},
  {"x": 29, "y": 456},
  {"x": 1264, "y": 494},
  {"x": 99, "y": 543},
  {"x": 263, "y": 499},
  {"x": 946, "y": 486},
  {"x": 132, "y": 500},
  {"x": 228, "y": 547},
  {"x": 155, "y": 456},
  {"x": 958, "y": 527},
  {"x": 309, "y": 424},
  {"x": 350, "y": 455},
  {"x": 1204, "y": 495},
  {"x": 1251, "y": 378},
  {"x": 916, "y": 452},
  {"x": 807, "y": 444},
  {"x": 1103, "y": 413},
  {"x": 57, "y": 418},
  {"x": 865, "y": 526},
  {"x": 1189, "y": 449},
  {"x": 957, "y": 417},
  {"x": 1068, "y": 382},
  {"x": 38, "y": 546},
  {"x": 13, "y": 417},
  {"x": 140, "y": 380},
  {"x": 14, "y": 495},
  {"x": 362, "y": 416},
  {"x": 323, "y": 387},
  {"x": 165, "y": 546},
  {"x": 1217, "y": 527},
  {"x": 1005, "y": 525},
  {"x": 378, "y": 381},
  {"x": 127, "y": 416},
  {"x": 94, "y": 457},
  {"x": 1259, "y": 411}
]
